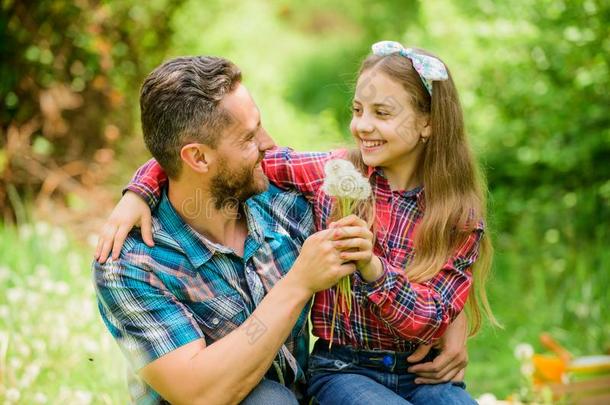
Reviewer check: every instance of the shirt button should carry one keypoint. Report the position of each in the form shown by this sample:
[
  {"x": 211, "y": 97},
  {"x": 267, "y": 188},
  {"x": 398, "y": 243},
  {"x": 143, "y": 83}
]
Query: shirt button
[{"x": 215, "y": 321}]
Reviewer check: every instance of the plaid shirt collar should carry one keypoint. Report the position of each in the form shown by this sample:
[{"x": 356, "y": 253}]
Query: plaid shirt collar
[
  {"x": 382, "y": 183},
  {"x": 199, "y": 249}
]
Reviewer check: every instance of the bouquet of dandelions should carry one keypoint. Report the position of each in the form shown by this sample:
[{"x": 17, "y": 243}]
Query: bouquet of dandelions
[{"x": 347, "y": 185}]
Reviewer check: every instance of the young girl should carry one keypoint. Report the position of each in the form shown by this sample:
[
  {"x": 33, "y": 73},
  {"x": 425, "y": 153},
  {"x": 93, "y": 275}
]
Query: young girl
[{"x": 430, "y": 255}]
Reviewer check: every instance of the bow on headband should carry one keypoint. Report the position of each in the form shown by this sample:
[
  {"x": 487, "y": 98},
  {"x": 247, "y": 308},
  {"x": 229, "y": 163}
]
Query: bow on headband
[{"x": 429, "y": 68}]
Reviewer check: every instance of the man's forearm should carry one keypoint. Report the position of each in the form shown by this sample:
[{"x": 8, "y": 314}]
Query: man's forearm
[{"x": 226, "y": 371}]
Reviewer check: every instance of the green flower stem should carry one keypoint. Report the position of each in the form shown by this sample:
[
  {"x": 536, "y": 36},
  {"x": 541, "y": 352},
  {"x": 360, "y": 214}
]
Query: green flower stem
[{"x": 343, "y": 289}]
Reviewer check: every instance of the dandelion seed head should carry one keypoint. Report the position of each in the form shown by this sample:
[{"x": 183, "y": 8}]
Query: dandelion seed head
[
  {"x": 336, "y": 167},
  {"x": 41, "y": 271},
  {"x": 344, "y": 181},
  {"x": 25, "y": 232},
  {"x": 12, "y": 395},
  {"x": 487, "y": 399},
  {"x": 83, "y": 397},
  {"x": 57, "y": 240},
  {"x": 62, "y": 288},
  {"x": 15, "y": 295},
  {"x": 15, "y": 363},
  {"x": 527, "y": 369},
  {"x": 524, "y": 351},
  {"x": 40, "y": 398},
  {"x": 42, "y": 228},
  {"x": 39, "y": 346},
  {"x": 23, "y": 349}
]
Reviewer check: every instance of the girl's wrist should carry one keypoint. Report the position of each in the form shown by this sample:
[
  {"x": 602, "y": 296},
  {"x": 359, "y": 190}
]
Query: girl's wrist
[{"x": 372, "y": 271}]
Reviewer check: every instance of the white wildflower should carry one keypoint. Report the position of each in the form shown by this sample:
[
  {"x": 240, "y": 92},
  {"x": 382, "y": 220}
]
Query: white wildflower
[
  {"x": 23, "y": 349},
  {"x": 15, "y": 363},
  {"x": 90, "y": 346},
  {"x": 83, "y": 397},
  {"x": 62, "y": 288},
  {"x": 31, "y": 281},
  {"x": 344, "y": 181},
  {"x": 527, "y": 369},
  {"x": 363, "y": 190},
  {"x": 12, "y": 395},
  {"x": 47, "y": 285},
  {"x": 32, "y": 370},
  {"x": 524, "y": 351},
  {"x": 336, "y": 167},
  {"x": 42, "y": 228},
  {"x": 39, "y": 346},
  {"x": 41, "y": 271},
  {"x": 25, "y": 232},
  {"x": 57, "y": 240},
  {"x": 487, "y": 399},
  {"x": 15, "y": 295},
  {"x": 40, "y": 398}
]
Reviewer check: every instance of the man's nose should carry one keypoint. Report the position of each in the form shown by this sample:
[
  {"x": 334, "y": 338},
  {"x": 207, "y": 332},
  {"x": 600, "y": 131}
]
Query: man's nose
[{"x": 265, "y": 142}]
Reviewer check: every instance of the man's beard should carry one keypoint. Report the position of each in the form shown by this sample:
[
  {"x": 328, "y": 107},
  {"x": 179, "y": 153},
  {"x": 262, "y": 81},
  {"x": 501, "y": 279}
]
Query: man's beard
[{"x": 230, "y": 188}]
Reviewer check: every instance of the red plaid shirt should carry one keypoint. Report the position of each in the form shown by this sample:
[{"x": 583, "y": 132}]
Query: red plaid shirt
[{"x": 391, "y": 313}]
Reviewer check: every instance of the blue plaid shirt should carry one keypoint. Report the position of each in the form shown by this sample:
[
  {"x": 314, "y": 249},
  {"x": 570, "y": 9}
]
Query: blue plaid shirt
[{"x": 156, "y": 299}]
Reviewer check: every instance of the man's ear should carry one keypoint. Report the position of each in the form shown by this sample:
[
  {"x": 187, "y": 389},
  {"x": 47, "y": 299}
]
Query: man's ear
[{"x": 197, "y": 156}]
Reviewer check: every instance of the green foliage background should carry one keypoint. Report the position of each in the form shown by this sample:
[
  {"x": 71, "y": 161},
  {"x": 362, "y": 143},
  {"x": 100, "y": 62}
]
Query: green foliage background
[{"x": 534, "y": 81}]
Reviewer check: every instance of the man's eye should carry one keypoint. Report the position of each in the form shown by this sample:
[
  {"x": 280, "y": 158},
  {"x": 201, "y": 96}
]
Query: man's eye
[
  {"x": 383, "y": 114},
  {"x": 355, "y": 109}
]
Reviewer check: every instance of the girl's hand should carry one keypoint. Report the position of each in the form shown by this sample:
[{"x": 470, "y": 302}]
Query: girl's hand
[
  {"x": 354, "y": 239},
  {"x": 130, "y": 211}
]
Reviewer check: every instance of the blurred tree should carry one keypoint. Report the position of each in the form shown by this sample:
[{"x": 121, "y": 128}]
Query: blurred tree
[
  {"x": 549, "y": 147},
  {"x": 69, "y": 72},
  {"x": 324, "y": 80}
]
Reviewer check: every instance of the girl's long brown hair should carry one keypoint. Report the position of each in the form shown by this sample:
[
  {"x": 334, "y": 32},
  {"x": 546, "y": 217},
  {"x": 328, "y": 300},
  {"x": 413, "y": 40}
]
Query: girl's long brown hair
[{"x": 454, "y": 189}]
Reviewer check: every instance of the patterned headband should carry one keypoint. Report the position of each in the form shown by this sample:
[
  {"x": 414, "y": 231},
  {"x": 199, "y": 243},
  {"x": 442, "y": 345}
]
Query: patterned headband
[{"x": 429, "y": 68}]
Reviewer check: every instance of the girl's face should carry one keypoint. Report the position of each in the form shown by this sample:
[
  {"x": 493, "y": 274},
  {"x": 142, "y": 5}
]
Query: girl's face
[{"x": 387, "y": 129}]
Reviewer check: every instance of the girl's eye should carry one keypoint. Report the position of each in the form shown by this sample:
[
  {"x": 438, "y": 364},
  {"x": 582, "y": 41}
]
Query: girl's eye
[{"x": 356, "y": 109}]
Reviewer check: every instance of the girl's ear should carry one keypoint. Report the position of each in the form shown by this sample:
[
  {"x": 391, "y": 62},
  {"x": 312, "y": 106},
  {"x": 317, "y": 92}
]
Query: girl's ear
[
  {"x": 426, "y": 130},
  {"x": 197, "y": 156}
]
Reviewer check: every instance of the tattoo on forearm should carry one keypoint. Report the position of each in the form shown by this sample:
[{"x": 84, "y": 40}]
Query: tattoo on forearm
[{"x": 255, "y": 328}]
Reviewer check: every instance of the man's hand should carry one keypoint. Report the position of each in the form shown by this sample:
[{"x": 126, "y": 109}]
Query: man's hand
[
  {"x": 450, "y": 364},
  {"x": 319, "y": 265},
  {"x": 130, "y": 211}
]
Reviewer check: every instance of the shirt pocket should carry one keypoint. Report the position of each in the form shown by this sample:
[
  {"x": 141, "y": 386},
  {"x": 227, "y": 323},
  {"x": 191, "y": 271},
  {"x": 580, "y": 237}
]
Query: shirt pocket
[
  {"x": 220, "y": 315},
  {"x": 399, "y": 253}
]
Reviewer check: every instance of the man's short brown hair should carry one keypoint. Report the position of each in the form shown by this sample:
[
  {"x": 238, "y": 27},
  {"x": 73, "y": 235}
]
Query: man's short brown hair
[{"x": 179, "y": 104}]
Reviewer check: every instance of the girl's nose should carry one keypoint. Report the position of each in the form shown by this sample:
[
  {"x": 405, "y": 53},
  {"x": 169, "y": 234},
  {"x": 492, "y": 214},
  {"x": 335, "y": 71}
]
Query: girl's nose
[{"x": 364, "y": 125}]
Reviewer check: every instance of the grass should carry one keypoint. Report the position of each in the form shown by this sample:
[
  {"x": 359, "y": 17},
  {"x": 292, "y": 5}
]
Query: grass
[{"x": 53, "y": 345}]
